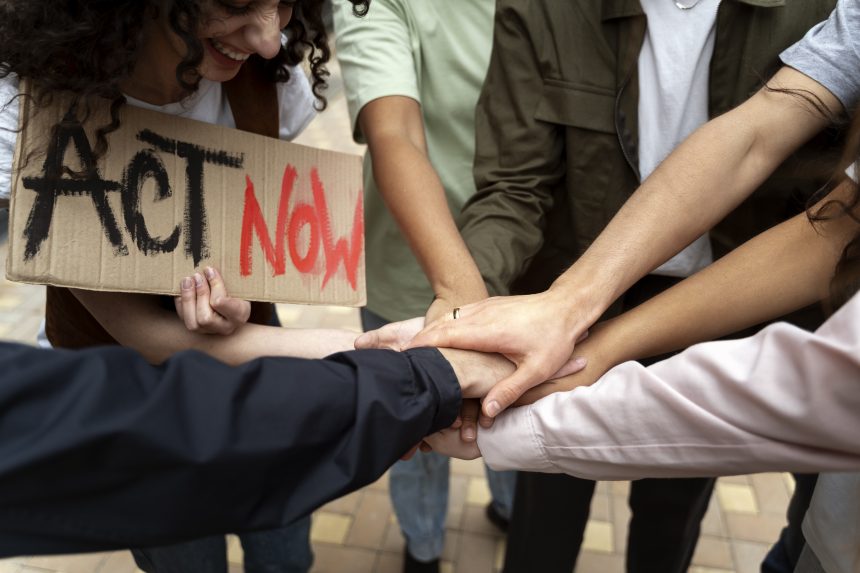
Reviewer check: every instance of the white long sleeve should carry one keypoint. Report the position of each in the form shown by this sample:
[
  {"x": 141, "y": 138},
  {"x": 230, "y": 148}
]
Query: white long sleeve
[{"x": 783, "y": 400}]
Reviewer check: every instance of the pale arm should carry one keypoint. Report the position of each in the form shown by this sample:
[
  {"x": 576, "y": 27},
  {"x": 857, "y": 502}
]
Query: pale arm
[
  {"x": 783, "y": 400},
  {"x": 706, "y": 177},
  {"x": 721, "y": 164},
  {"x": 394, "y": 130},
  {"x": 137, "y": 321},
  {"x": 777, "y": 272}
]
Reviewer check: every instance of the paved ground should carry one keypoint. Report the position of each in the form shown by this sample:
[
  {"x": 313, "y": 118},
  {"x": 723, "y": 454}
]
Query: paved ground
[{"x": 359, "y": 534}]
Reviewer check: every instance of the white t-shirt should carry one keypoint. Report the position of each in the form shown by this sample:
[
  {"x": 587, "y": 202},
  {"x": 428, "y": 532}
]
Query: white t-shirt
[
  {"x": 208, "y": 104},
  {"x": 674, "y": 64}
]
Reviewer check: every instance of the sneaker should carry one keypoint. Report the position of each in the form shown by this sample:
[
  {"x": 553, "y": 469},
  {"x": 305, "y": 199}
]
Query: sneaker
[
  {"x": 412, "y": 565},
  {"x": 496, "y": 518}
]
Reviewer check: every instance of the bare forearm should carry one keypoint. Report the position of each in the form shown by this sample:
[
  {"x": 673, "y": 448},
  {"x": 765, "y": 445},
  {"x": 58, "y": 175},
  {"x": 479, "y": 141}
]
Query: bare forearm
[
  {"x": 415, "y": 197},
  {"x": 157, "y": 333},
  {"x": 414, "y": 194},
  {"x": 781, "y": 270},
  {"x": 706, "y": 177},
  {"x": 254, "y": 341}
]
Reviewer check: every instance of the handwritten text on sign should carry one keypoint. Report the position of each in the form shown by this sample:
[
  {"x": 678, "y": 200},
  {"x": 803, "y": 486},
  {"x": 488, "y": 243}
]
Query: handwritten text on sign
[{"x": 305, "y": 233}]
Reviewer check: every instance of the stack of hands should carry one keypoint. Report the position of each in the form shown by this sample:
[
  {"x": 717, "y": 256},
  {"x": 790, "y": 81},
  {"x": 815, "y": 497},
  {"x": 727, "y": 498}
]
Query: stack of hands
[
  {"x": 499, "y": 363},
  {"x": 497, "y": 348}
]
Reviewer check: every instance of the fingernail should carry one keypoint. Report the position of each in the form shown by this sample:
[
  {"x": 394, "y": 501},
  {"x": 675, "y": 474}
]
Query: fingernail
[
  {"x": 469, "y": 434},
  {"x": 198, "y": 279},
  {"x": 210, "y": 273},
  {"x": 186, "y": 283},
  {"x": 492, "y": 409}
]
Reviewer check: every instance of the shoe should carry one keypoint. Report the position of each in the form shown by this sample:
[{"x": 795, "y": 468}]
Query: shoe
[
  {"x": 496, "y": 518},
  {"x": 412, "y": 565}
]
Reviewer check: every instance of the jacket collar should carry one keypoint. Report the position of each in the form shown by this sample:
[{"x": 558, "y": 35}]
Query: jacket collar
[{"x": 613, "y": 9}]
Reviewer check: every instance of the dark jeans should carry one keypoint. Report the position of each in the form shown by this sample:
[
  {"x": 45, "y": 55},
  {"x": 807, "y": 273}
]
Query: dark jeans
[
  {"x": 284, "y": 550},
  {"x": 419, "y": 489},
  {"x": 550, "y": 510},
  {"x": 785, "y": 554}
]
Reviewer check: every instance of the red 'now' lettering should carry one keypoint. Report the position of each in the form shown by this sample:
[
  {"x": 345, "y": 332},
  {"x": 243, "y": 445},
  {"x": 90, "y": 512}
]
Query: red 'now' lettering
[{"x": 289, "y": 225}]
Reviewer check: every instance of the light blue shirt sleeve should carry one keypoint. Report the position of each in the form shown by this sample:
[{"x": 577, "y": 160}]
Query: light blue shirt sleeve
[{"x": 830, "y": 53}]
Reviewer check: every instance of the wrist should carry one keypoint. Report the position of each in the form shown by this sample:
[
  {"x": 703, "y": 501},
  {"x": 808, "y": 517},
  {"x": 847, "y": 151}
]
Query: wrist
[
  {"x": 458, "y": 359},
  {"x": 460, "y": 290},
  {"x": 607, "y": 346},
  {"x": 581, "y": 300}
]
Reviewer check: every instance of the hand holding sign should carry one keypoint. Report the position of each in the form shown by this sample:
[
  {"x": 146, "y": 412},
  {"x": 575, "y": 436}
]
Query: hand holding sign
[
  {"x": 205, "y": 307},
  {"x": 282, "y": 222}
]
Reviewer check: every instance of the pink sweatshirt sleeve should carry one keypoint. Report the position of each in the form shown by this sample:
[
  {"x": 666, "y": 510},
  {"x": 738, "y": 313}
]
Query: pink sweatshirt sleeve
[{"x": 783, "y": 400}]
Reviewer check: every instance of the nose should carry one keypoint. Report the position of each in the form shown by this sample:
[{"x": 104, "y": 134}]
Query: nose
[{"x": 264, "y": 35}]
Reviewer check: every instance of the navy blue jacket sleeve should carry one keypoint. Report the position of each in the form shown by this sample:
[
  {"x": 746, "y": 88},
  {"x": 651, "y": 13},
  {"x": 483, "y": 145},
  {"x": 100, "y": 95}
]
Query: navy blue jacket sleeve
[{"x": 101, "y": 450}]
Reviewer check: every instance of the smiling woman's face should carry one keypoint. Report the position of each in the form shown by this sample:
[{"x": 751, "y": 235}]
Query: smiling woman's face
[
  {"x": 236, "y": 29},
  {"x": 231, "y": 31}
]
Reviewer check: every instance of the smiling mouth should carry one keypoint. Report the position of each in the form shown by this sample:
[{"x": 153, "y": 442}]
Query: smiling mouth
[{"x": 227, "y": 52}]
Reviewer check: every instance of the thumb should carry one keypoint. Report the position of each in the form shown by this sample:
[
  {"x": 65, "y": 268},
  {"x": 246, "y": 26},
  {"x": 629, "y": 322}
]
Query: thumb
[
  {"x": 367, "y": 340},
  {"x": 385, "y": 338},
  {"x": 509, "y": 389},
  {"x": 572, "y": 366},
  {"x": 233, "y": 309}
]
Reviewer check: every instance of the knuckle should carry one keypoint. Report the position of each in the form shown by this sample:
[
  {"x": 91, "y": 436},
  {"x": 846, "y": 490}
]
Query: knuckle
[{"x": 507, "y": 395}]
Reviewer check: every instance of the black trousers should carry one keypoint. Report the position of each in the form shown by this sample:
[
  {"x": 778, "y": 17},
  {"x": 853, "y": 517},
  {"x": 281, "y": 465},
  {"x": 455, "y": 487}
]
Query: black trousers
[{"x": 551, "y": 510}]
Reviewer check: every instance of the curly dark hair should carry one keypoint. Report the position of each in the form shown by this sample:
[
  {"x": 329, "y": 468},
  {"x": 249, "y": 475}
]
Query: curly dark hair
[
  {"x": 87, "y": 48},
  {"x": 846, "y": 277},
  {"x": 822, "y": 207}
]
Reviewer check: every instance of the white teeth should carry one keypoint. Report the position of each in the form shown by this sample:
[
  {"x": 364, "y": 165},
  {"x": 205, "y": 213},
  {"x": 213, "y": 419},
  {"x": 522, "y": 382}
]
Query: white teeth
[{"x": 228, "y": 52}]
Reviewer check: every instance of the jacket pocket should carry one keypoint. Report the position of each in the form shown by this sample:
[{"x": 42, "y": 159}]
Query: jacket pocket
[{"x": 579, "y": 106}]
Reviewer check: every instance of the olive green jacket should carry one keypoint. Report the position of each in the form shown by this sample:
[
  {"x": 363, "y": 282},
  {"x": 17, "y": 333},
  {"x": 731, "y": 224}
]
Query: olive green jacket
[{"x": 557, "y": 128}]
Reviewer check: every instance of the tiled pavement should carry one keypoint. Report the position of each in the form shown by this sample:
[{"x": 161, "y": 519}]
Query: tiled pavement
[{"x": 359, "y": 534}]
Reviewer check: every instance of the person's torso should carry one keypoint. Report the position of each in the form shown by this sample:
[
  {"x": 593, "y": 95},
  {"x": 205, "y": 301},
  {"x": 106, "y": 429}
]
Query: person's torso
[
  {"x": 450, "y": 43},
  {"x": 673, "y": 96},
  {"x": 591, "y": 91}
]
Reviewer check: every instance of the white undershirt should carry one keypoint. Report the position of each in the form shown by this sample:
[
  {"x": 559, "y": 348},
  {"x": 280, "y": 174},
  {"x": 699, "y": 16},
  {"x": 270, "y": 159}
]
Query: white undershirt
[{"x": 673, "y": 96}]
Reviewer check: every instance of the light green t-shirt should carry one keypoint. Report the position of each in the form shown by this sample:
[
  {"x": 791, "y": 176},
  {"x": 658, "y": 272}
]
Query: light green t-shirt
[{"x": 436, "y": 52}]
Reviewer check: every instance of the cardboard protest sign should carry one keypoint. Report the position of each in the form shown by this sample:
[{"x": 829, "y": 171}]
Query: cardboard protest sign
[{"x": 282, "y": 222}]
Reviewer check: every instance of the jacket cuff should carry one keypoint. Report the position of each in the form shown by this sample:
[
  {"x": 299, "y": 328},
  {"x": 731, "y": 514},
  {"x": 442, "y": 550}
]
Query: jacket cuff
[{"x": 431, "y": 367}]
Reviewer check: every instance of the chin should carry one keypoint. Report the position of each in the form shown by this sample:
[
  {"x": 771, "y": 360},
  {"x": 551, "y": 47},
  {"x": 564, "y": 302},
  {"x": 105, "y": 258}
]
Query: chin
[{"x": 214, "y": 74}]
